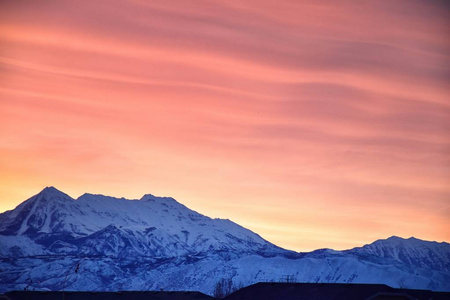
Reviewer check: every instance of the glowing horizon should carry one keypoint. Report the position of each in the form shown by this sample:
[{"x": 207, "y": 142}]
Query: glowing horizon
[{"x": 312, "y": 124}]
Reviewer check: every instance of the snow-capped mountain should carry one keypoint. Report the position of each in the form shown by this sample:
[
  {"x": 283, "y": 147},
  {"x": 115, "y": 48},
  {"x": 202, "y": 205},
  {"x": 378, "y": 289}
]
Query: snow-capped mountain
[
  {"x": 95, "y": 242},
  {"x": 101, "y": 225},
  {"x": 412, "y": 252}
]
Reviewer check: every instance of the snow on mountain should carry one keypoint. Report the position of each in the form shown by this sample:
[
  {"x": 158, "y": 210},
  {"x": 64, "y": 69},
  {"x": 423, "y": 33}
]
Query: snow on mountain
[
  {"x": 19, "y": 246},
  {"x": 102, "y": 225},
  {"x": 96, "y": 242},
  {"x": 412, "y": 252}
]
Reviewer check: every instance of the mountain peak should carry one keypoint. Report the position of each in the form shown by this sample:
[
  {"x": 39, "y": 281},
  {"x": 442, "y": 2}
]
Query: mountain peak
[
  {"x": 410, "y": 251},
  {"x": 93, "y": 197},
  {"x": 52, "y": 192},
  {"x": 50, "y": 189},
  {"x": 150, "y": 197},
  {"x": 396, "y": 237},
  {"x": 399, "y": 240}
]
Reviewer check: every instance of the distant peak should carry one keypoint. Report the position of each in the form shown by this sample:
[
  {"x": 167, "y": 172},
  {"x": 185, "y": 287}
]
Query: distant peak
[
  {"x": 90, "y": 195},
  {"x": 150, "y": 197},
  {"x": 394, "y": 237},
  {"x": 391, "y": 240},
  {"x": 100, "y": 197},
  {"x": 398, "y": 238}
]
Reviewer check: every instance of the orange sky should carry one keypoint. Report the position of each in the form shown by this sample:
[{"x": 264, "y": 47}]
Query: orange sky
[{"x": 313, "y": 124}]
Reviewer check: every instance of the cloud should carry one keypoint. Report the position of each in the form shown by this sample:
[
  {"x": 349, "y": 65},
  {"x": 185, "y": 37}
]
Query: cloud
[{"x": 329, "y": 111}]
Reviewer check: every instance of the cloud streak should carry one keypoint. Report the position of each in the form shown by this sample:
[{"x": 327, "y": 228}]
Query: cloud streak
[{"x": 315, "y": 124}]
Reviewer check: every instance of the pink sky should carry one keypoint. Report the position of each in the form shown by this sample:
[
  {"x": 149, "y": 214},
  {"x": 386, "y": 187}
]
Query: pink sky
[{"x": 313, "y": 124}]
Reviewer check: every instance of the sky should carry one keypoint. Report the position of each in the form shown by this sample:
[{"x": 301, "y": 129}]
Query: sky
[{"x": 313, "y": 123}]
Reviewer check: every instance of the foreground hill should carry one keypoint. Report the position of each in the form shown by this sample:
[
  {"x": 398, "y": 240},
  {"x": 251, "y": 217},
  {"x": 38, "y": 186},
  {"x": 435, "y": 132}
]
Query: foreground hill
[{"x": 100, "y": 243}]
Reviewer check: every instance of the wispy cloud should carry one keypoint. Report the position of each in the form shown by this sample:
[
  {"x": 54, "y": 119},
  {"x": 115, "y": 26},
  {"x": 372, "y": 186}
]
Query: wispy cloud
[{"x": 334, "y": 115}]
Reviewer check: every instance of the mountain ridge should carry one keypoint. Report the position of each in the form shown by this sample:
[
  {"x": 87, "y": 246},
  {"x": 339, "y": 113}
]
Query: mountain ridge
[
  {"x": 157, "y": 242},
  {"x": 54, "y": 212}
]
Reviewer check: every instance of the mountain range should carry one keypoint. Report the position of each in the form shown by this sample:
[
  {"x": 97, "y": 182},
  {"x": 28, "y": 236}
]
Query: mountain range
[{"x": 99, "y": 243}]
